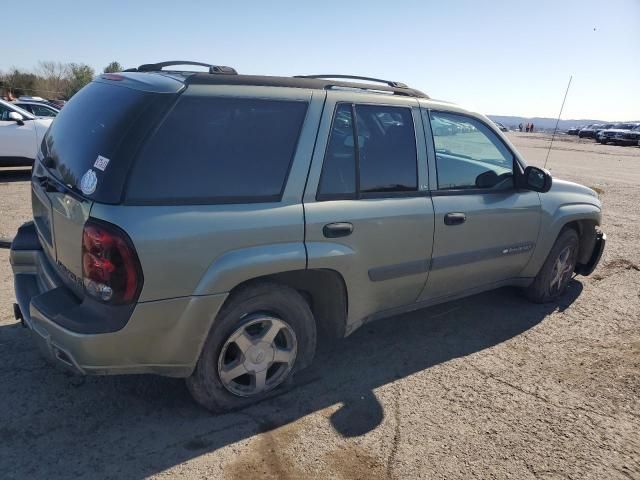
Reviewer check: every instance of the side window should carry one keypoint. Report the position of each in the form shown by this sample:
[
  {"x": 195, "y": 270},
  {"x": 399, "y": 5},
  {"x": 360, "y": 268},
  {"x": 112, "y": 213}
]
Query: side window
[
  {"x": 338, "y": 179},
  {"x": 219, "y": 150},
  {"x": 43, "y": 111},
  {"x": 469, "y": 155},
  {"x": 374, "y": 156},
  {"x": 387, "y": 149},
  {"x": 25, "y": 107},
  {"x": 4, "y": 113}
]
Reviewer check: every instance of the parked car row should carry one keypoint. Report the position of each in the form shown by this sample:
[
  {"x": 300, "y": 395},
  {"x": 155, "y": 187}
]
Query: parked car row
[{"x": 626, "y": 133}]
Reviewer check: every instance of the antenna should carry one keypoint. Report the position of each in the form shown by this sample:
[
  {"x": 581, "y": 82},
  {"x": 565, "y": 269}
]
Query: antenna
[{"x": 557, "y": 121}]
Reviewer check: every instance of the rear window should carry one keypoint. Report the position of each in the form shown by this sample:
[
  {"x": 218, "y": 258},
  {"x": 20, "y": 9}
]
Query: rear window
[
  {"x": 219, "y": 150},
  {"x": 101, "y": 120}
]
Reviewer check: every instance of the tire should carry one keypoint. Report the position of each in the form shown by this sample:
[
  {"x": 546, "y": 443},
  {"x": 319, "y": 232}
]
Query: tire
[
  {"x": 547, "y": 286},
  {"x": 254, "y": 310}
]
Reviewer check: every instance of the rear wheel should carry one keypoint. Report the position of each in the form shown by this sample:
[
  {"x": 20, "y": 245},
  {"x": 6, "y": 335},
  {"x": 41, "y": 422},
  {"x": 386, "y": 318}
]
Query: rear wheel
[
  {"x": 264, "y": 333},
  {"x": 554, "y": 276}
]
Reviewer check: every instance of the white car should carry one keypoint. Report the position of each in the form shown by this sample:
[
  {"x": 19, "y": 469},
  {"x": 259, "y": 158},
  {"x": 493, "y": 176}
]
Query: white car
[{"x": 20, "y": 135}]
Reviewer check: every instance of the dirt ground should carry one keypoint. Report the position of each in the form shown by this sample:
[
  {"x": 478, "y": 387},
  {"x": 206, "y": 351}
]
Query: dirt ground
[{"x": 487, "y": 387}]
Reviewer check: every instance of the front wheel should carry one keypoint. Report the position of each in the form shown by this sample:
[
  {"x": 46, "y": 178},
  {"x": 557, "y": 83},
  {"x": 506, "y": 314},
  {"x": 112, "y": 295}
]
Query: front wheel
[
  {"x": 554, "y": 276},
  {"x": 261, "y": 337}
]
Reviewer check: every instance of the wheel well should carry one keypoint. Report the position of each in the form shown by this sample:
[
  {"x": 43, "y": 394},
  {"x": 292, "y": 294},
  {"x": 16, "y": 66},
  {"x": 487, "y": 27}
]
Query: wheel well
[
  {"x": 586, "y": 230},
  {"x": 325, "y": 291}
]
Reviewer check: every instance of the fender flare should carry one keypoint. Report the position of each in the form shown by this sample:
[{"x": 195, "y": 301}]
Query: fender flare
[
  {"x": 551, "y": 227},
  {"x": 237, "y": 266}
]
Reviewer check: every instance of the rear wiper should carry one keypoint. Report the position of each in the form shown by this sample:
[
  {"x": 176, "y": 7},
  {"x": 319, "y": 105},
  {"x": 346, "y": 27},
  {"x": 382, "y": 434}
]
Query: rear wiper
[
  {"x": 74, "y": 189},
  {"x": 51, "y": 185},
  {"x": 46, "y": 183}
]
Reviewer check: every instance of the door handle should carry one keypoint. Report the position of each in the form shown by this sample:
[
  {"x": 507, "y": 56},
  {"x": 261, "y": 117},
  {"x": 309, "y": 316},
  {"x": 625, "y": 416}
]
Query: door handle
[
  {"x": 337, "y": 229},
  {"x": 455, "y": 218}
]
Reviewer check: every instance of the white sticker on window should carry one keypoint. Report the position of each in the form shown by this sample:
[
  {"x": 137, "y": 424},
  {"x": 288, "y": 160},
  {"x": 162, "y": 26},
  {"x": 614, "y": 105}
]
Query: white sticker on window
[
  {"x": 88, "y": 182},
  {"x": 101, "y": 163}
]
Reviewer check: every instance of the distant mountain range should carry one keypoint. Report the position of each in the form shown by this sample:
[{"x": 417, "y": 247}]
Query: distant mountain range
[{"x": 541, "y": 123}]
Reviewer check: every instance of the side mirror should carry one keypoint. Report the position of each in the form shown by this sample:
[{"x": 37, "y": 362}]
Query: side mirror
[
  {"x": 536, "y": 179},
  {"x": 16, "y": 117}
]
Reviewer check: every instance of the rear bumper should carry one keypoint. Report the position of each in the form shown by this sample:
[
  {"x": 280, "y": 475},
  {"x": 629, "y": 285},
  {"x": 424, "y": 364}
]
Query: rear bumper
[
  {"x": 162, "y": 337},
  {"x": 588, "y": 268}
]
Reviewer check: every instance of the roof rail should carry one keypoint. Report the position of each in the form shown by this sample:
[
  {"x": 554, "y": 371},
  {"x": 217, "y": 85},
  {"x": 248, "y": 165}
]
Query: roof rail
[
  {"x": 156, "y": 67},
  {"x": 355, "y": 77}
]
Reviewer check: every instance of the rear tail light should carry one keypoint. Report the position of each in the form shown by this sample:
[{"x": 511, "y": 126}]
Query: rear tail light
[{"x": 111, "y": 270}]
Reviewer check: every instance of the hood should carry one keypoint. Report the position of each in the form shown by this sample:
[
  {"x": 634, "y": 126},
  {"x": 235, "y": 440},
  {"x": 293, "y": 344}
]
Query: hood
[{"x": 574, "y": 192}]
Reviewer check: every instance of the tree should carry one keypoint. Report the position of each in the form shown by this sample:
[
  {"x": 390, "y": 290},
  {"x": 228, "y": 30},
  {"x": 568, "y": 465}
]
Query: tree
[
  {"x": 53, "y": 79},
  {"x": 20, "y": 83},
  {"x": 113, "y": 67},
  {"x": 79, "y": 75}
]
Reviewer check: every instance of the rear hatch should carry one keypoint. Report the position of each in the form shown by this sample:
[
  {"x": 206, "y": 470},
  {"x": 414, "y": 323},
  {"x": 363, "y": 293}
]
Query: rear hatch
[{"x": 85, "y": 157}]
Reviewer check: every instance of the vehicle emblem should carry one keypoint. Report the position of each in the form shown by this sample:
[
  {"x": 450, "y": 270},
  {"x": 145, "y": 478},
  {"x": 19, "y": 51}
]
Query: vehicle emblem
[{"x": 88, "y": 182}]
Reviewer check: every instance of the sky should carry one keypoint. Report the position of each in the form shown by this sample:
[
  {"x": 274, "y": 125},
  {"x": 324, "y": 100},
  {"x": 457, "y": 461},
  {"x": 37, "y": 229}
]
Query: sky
[{"x": 496, "y": 57}]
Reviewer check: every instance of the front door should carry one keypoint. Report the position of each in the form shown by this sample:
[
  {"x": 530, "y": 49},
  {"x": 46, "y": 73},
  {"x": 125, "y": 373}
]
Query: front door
[
  {"x": 17, "y": 142},
  {"x": 367, "y": 210},
  {"x": 485, "y": 228}
]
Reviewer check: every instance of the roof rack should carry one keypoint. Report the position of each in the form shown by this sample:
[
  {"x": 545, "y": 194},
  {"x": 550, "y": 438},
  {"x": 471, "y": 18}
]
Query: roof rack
[
  {"x": 156, "y": 67},
  {"x": 355, "y": 77},
  {"x": 202, "y": 78}
]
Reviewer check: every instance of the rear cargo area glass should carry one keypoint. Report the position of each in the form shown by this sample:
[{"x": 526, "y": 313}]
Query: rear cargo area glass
[
  {"x": 218, "y": 150},
  {"x": 101, "y": 120}
]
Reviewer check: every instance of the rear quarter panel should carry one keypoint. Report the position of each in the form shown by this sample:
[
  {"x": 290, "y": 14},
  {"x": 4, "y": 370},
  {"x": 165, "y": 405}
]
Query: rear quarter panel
[
  {"x": 178, "y": 245},
  {"x": 206, "y": 249}
]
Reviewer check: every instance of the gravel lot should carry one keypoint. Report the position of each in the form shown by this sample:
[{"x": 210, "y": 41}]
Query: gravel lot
[{"x": 488, "y": 387}]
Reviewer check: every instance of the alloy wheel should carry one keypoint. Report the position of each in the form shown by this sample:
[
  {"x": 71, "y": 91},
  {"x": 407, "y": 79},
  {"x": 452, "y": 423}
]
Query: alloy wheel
[
  {"x": 562, "y": 270},
  {"x": 258, "y": 356}
]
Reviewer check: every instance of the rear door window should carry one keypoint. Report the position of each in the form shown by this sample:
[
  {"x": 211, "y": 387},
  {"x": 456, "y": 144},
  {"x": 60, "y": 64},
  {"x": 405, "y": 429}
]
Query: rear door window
[
  {"x": 219, "y": 150},
  {"x": 387, "y": 149},
  {"x": 374, "y": 156},
  {"x": 338, "y": 178}
]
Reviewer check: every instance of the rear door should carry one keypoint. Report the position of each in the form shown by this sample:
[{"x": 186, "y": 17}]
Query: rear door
[
  {"x": 367, "y": 210},
  {"x": 485, "y": 229}
]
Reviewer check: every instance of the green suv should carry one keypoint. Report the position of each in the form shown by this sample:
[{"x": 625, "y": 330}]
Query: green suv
[{"x": 207, "y": 225}]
